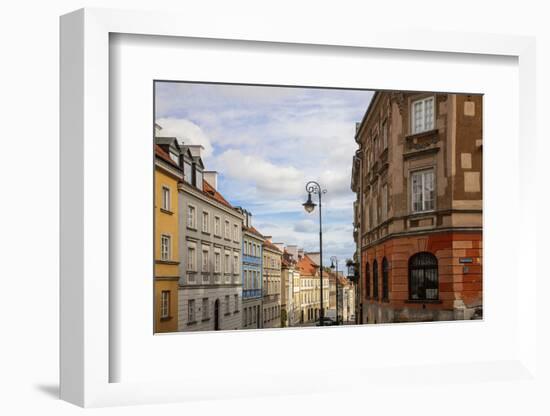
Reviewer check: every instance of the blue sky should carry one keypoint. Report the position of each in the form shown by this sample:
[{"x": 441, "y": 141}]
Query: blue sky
[{"x": 266, "y": 143}]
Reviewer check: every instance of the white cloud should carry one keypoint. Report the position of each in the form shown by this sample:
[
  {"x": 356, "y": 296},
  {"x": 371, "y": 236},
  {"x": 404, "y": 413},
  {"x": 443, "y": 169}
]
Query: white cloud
[
  {"x": 186, "y": 131},
  {"x": 269, "y": 178},
  {"x": 305, "y": 226}
]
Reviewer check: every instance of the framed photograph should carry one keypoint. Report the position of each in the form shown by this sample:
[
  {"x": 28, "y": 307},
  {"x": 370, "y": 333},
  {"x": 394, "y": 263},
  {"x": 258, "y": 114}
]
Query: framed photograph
[{"x": 238, "y": 209}]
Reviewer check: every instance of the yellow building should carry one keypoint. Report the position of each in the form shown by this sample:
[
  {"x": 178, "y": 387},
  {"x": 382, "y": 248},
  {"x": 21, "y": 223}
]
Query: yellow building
[{"x": 167, "y": 175}]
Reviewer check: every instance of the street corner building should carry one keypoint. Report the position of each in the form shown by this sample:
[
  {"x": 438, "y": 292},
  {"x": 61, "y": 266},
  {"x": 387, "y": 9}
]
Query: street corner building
[{"x": 417, "y": 175}]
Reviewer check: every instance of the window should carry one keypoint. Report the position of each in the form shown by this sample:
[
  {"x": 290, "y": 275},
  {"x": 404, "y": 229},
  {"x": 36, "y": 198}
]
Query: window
[
  {"x": 226, "y": 231},
  {"x": 422, "y": 115},
  {"x": 375, "y": 147},
  {"x": 227, "y": 264},
  {"x": 217, "y": 262},
  {"x": 235, "y": 232},
  {"x": 191, "y": 310},
  {"x": 205, "y": 260},
  {"x": 198, "y": 179},
  {"x": 187, "y": 172},
  {"x": 165, "y": 304},
  {"x": 367, "y": 283},
  {"x": 423, "y": 191},
  {"x": 423, "y": 277},
  {"x": 166, "y": 198},
  {"x": 375, "y": 279},
  {"x": 205, "y": 311},
  {"x": 384, "y": 204},
  {"x": 205, "y": 222},
  {"x": 236, "y": 264},
  {"x": 236, "y": 298},
  {"x": 175, "y": 158},
  {"x": 227, "y": 304},
  {"x": 384, "y": 135},
  {"x": 385, "y": 279},
  {"x": 191, "y": 263},
  {"x": 217, "y": 226},
  {"x": 191, "y": 217},
  {"x": 165, "y": 247}
]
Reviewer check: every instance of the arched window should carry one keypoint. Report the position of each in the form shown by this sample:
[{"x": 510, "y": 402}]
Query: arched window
[
  {"x": 367, "y": 280},
  {"x": 375, "y": 279},
  {"x": 385, "y": 279},
  {"x": 423, "y": 277}
]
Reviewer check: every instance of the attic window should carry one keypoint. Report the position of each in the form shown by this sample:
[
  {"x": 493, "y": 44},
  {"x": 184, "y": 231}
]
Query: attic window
[{"x": 174, "y": 157}]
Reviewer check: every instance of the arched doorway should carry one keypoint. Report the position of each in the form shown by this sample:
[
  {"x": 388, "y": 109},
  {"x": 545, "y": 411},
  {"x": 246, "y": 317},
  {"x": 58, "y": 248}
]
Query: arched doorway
[{"x": 217, "y": 315}]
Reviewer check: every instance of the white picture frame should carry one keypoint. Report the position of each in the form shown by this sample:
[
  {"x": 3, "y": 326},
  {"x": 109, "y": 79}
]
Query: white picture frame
[{"x": 87, "y": 168}]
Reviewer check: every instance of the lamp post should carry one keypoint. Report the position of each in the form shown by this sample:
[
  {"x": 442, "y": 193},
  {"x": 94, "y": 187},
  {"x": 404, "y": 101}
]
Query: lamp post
[
  {"x": 333, "y": 260},
  {"x": 313, "y": 187}
]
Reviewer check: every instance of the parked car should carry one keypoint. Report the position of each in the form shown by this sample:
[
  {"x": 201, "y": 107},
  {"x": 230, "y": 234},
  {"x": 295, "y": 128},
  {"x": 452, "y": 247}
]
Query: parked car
[{"x": 326, "y": 321}]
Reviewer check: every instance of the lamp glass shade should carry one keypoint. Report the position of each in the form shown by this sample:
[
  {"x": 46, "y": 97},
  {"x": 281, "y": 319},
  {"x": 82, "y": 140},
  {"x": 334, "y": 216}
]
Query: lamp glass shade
[{"x": 309, "y": 205}]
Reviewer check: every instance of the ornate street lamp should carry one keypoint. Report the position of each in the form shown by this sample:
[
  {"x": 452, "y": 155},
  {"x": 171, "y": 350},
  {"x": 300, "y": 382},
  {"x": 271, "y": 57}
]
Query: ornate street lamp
[
  {"x": 313, "y": 187},
  {"x": 333, "y": 260}
]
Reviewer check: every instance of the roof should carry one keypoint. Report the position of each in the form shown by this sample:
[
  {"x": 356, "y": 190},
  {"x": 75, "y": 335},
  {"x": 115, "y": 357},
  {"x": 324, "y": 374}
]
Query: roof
[
  {"x": 269, "y": 245},
  {"x": 161, "y": 154},
  {"x": 252, "y": 230},
  {"x": 288, "y": 259},
  {"x": 306, "y": 266},
  {"x": 211, "y": 192}
]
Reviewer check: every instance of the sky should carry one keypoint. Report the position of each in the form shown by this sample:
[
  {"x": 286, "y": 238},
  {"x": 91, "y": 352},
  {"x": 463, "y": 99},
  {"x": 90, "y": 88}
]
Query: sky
[{"x": 266, "y": 143}]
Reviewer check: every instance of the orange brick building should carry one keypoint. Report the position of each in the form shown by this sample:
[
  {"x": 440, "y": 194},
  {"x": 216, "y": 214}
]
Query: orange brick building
[{"x": 418, "y": 212}]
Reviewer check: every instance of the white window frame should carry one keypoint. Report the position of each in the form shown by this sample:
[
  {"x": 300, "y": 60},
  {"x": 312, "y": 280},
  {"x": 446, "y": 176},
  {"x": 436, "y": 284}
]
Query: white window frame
[
  {"x": 384, "y": 202},
  {"x": 235, "y": 232},
  {"x": 165, "y": 304},
  {"x": 422, "y": 174},
  {"x": 205, "y": 267},
  {"x": 217, "y": 226},
  {"x": 191, "y": 259},
  {"x": 235, "y": 263},
  {"x": 424, "y": 126},
  {"x": 226, "y": 229},
  {"x": 227, "y": 263},
  {"x": 191, "y": 216},
  {"x": 205, "y": 215},
  {"x": 166, "y": 197},
  {"x": 165, "y": 249},
  {"x": 217, "y": 261}
]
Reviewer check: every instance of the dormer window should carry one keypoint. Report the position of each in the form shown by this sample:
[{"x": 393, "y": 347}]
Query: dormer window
[
  {"x": 187, "y": 172},
  {"x": 175, "y": 158},
  {"x": 198, "y": 178}
]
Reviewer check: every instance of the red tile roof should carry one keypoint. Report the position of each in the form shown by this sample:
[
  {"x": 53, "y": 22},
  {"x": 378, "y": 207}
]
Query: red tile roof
[
  {"x": 306, "y": 266},
  {"x": 210, "y": 191},
  {"x": 268, "y": 244},
  {"x": 161, "y": 153},
  {"x": 252, "y": 230}
]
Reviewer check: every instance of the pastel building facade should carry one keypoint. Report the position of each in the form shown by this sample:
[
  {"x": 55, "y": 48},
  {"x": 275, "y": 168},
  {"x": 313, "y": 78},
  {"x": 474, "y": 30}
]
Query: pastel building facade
[
  {"x": 210, "y": 283},
  {"x": 168, "y": 175},
  {"x": 252, "y": 254},
  {"x": 271, "y": 289}
]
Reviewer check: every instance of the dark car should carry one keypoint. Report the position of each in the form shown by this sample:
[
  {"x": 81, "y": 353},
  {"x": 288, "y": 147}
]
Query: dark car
[{"x": 326, "y": 322}]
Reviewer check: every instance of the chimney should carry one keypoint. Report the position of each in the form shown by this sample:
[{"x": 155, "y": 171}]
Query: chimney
[
  {"x": 280, "y": 246},
  {"x": 211, "y": 176},
  {"x": 293, "y": 251},
  {"x": 300, "y": 253}
]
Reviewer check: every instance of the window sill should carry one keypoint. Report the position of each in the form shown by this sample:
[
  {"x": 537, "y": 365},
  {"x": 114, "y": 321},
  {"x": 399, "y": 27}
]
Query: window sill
[
  {"x": 191, "y": 323},
  {"x": 227, "y": 314},
  {"x": 191, "y": 228},
  {"x": 206, "y": 232},
  {"x": 168, "y": 262},
  {"x": 205, "y": 320},
  {"x": 166, "y": 318},
  {"x": 166, "y": 211}
]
